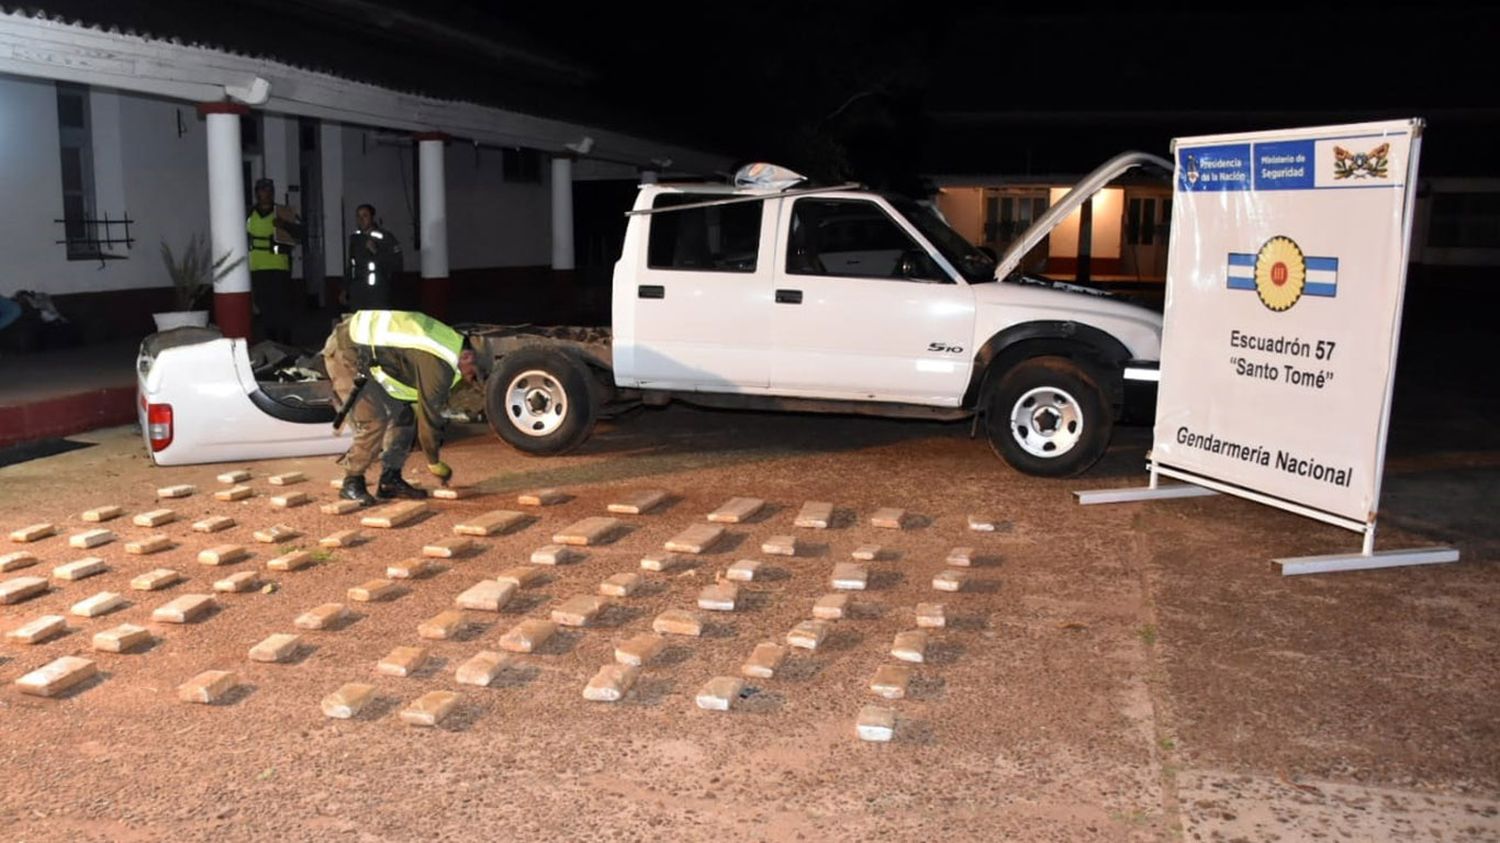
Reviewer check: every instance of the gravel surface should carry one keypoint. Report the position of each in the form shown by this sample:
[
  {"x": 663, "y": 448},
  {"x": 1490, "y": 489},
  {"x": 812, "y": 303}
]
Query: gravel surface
[{"x": 1133, "y": 672}]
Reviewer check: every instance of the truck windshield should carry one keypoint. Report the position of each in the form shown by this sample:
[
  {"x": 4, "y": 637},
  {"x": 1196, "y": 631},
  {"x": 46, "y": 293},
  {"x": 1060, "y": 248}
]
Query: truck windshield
[{"x": 975, "y": 266}]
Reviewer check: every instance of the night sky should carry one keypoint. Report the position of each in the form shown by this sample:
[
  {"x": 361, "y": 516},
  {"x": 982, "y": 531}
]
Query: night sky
[{"x": 884, "y": 91}]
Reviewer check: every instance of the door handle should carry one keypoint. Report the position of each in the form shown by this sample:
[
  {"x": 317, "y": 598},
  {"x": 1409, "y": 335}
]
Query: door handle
[
  {"x": 651, "y": 291},
  {"x": 788, "y": 296}
]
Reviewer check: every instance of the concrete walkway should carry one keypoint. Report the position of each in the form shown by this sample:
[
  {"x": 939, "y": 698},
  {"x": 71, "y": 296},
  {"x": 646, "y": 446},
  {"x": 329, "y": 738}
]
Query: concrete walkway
[{"x": 59, "y": 393}]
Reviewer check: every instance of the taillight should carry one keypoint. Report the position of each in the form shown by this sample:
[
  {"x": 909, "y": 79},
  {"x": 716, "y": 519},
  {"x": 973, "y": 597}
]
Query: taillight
[{"x": 159, "y": 425}]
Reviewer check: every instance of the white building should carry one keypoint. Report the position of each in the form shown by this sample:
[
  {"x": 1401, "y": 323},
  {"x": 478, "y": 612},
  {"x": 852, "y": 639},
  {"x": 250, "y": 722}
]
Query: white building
[{"x": 111, "y": 144}]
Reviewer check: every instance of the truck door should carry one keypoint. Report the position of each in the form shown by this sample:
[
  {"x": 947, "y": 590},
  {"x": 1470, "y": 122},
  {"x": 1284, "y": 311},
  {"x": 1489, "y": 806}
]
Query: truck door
[
  {"x": 862, "y": 311},
  {"x": 697, "y": 313}
]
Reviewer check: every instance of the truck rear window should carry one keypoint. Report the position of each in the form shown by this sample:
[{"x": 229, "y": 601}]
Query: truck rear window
[{"x": 718, "y": 238}]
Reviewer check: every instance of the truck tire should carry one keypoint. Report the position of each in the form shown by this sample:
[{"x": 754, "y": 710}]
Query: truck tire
[
  {"x": 538, "y": 400},
  {"x": 1048, "y": 417}
]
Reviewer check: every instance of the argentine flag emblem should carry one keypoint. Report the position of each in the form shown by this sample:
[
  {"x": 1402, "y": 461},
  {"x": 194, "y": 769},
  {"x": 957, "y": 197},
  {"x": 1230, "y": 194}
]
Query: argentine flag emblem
[{"x": 1280, "y": 274}]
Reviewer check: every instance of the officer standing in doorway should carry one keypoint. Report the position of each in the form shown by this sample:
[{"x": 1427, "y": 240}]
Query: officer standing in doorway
[
  {"x": 273, "y": 231},
  {"x": 374, "y": 260}
]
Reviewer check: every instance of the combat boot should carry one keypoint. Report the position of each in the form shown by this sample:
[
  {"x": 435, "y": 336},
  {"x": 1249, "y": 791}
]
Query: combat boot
[
  {"x": 393, "y": 486},
  {"x": 354, "y": 489}
]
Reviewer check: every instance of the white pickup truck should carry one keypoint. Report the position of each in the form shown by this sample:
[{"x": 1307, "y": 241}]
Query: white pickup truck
[{"x": 767, "y": 295}]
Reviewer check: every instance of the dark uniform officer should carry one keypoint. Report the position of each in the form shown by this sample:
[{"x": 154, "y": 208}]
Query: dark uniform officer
[{"x": 374, "y": 261}]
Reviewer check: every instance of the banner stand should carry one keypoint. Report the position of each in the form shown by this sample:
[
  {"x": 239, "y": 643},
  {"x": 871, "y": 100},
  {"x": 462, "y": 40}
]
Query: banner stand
[
  {"x": 1367, "y": 559},
  {"x": 1152, "y": 492},
  {"x": 1260, "y": 397}
]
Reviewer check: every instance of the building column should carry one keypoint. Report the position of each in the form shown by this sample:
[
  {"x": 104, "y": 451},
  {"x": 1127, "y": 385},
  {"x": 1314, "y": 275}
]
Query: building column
[
  {"x": 226, "y": 216},
  {"x": 1085, "y": 241},
  {"x": 433, "y": 193},
  {"x": 649, "y": 176},
  {"x": 562, "y": 214}
]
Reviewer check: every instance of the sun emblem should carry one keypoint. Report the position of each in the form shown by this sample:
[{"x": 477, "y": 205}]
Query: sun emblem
[{"x": 1280, "y": 273}]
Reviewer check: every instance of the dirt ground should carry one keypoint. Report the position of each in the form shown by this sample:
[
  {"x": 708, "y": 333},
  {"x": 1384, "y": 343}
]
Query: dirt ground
[{"x": 1131, "y": 672}]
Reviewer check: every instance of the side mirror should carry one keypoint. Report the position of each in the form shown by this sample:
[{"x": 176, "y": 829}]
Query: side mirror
[{"x": 915, "y": 265}]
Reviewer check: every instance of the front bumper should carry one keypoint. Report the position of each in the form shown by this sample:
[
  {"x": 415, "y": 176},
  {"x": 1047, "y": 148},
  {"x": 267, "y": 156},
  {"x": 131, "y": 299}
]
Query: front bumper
[{"x": 1140, "y": 379}]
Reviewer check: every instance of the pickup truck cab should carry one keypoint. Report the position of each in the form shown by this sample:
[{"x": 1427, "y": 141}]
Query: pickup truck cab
[{"x": 767, "y": 295}]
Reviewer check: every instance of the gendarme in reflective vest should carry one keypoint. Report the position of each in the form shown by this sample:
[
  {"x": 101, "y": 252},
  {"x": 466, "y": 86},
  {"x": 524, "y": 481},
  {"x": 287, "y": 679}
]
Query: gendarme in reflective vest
[
  {"x": 265, "y": 252},
  {"x": 405, "y": 329}
]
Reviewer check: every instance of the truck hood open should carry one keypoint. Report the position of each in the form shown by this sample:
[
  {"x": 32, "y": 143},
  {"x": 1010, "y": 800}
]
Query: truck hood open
[{"x": 1085, "y": 189}]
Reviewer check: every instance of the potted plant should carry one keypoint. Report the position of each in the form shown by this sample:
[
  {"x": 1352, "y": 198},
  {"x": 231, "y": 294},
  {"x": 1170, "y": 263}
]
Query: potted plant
[{"x": 193, "y": 274}]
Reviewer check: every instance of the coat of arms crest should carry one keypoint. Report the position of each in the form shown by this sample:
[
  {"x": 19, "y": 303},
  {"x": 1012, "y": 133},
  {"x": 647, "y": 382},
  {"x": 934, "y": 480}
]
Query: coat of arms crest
[{"x": 1360, "y": 165}]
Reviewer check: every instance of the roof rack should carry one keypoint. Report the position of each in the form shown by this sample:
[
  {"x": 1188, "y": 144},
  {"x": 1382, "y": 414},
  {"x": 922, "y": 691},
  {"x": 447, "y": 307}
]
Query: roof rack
[{"x": 736, "y": 200}]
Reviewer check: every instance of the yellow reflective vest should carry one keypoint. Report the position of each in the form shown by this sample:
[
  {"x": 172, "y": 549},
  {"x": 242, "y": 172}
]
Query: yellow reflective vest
[
  {"x": 405, "y": 329},
  {"x": 265, "y": 252}
]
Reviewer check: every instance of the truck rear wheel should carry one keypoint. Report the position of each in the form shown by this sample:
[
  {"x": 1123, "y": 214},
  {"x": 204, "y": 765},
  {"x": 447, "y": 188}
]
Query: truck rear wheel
[
  {"x": 1048, "y": 417},
  {"x": 538, "y": 400}
]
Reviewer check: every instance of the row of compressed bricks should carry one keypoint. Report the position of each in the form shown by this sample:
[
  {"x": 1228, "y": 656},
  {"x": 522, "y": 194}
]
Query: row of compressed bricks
[{"x": 611, "y": 683}]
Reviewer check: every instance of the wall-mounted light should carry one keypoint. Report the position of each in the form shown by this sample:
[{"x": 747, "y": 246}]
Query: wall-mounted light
[{"x": 255, "y": 93}]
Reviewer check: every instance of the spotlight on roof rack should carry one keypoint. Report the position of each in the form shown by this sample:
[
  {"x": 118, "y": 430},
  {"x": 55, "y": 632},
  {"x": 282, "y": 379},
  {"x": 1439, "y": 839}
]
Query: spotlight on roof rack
[{"x": 768, "y": 176}]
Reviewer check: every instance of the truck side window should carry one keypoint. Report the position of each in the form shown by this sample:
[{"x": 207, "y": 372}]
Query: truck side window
[
  {"x": 719, "y": 238},
  {"x": 850, "y": 238}
]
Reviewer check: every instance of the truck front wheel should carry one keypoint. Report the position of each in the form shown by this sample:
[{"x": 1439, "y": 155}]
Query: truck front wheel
[
  {"x": 538, "y": 401},
  {"x": 1048, "y": 417}
]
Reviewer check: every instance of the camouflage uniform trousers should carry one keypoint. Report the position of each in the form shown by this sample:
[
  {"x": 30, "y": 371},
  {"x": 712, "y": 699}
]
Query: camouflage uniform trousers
[{"x": 383, "y": 426}]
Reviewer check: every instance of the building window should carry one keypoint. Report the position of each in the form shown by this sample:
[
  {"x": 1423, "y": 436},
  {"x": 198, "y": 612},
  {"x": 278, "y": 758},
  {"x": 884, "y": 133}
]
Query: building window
[
  {"x": 718, "y": 238},
  {"x": 1147, "y": 221},
  {"x": 77, "y": 171},
  {"x": 521, "y": 165},
  {"x": 1007, "y": 214},
  {"x": 1465, "y": 221}
]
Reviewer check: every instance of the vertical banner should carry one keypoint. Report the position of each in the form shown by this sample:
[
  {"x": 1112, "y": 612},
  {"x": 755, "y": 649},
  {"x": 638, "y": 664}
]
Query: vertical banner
[{"x": 1284, "y": 290}]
